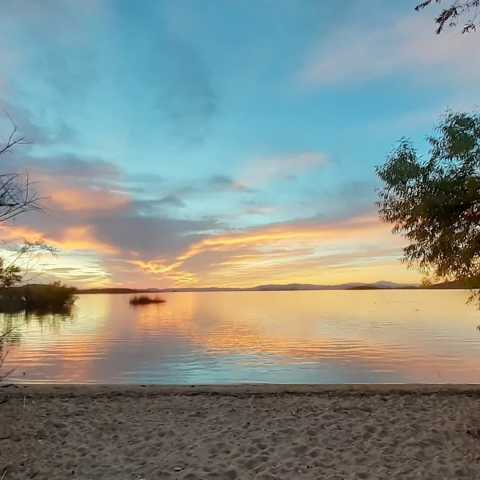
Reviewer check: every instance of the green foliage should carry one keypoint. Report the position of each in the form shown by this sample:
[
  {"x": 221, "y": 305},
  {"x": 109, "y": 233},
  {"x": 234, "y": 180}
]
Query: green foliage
[
  {"x": 435, "y": 203},
  {"x": 53, "y": 298}
]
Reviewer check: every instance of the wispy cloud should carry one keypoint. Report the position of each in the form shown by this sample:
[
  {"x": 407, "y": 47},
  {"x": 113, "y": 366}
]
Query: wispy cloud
[
  {"x": 264, "y": 170},
  {"x": 113, "y": 117},
  {"x": 285, "y": 252},
  {"x": 77, "y": 238},
  {"x": 76, "y": 200},
  {"x": 361, "y": 52},
  {"x": 225, "y": 183}
]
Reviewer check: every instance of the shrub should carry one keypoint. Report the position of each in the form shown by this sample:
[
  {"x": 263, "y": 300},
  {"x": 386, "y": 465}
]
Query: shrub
[
  {"x": 145, "y": 300},
  {"x": 53, "y": 298}
]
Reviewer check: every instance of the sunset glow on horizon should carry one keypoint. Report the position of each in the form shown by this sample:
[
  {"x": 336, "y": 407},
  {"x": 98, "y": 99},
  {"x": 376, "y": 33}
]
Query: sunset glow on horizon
[{"x": 227, "y": 145}]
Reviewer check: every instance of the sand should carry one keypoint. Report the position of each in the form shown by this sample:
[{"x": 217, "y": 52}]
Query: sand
[{"x": 245, "y": 432}]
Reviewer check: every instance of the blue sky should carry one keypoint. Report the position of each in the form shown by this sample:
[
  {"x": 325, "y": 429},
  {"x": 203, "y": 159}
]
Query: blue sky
[{"x": 213, "y": 143}]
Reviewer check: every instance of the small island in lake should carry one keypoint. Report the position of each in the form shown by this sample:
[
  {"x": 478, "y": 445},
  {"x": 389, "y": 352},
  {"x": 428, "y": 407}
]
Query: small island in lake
[{"x": 145, "y": 300}]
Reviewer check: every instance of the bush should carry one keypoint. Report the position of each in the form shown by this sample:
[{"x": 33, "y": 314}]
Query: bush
[
  {"x": 145, "y": 300},
  {"x": 53, "y": 298}
]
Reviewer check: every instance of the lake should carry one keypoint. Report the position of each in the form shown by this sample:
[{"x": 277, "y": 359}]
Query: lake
[{"x": 377, "y": 336}]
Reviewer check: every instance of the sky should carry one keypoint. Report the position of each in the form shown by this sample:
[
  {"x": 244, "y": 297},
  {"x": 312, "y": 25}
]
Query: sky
[{"x": 217, "y": 143}]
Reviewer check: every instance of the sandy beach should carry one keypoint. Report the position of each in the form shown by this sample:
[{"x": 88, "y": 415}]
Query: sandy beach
[{"x": 244, "y": 432}]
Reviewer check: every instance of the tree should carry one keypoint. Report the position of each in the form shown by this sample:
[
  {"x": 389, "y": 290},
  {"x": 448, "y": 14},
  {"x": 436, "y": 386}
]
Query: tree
[
  {"x": 16, "y": 197},
  {"x": 16, "y": 193},
  {"x": 9, "y": 274},
  {"x": 450, "y": 15},
  {"x": 21, "y": 263},
  {"x": 435, "y": 202}
]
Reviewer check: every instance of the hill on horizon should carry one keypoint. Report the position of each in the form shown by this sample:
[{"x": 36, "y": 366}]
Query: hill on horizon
[{"x": 380, "y": 285}]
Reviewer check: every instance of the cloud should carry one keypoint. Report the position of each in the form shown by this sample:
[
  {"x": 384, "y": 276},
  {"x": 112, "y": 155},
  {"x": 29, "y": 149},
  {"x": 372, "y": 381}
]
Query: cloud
[
  {"x": 345, "y": 200},
  {"x": 151, "y": 236},
  {"x": 265, "y": 170},
  {"x": 62, "y": 60},
  {"x": 91, "y": 207},
  {"x": 70, "y": 183},
  {"x": 170, "y": 199},
  {"x": 193, "y": 191},
  {"x": 76, "y": 238},
  {"x": 12, "y": 114},
  {"x": 69, "y": 168},
  {"x": 361, "y": 52},
  {"x": 225, "y": 183},
  {"x": 306, "y": 248},
  {"x": 82, "y": 237},
  {"x": 187, "y": 100},
  {"x": 92, "y": 210},
  {"x": 183, "y": 92},
  {"x": 78, "y": 168},
  {"x": 158, "y": 79},
  {"x": 76, "y": 200},
  {"x": 139, "y": 243}
]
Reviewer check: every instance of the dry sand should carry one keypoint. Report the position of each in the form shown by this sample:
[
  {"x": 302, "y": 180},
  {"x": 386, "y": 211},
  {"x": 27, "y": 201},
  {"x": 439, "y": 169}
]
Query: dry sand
[{"x": 245, "y": 432}]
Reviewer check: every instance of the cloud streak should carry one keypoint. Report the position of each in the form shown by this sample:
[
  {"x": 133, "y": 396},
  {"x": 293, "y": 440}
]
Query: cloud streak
[
  {"x": 359, "y": 53},
  {"x": 264, "y": 170},
  {"x": 283, "y": 252}
]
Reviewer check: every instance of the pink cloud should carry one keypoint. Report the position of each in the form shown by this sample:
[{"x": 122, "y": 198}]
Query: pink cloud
[{"x": 75, "y": 200}]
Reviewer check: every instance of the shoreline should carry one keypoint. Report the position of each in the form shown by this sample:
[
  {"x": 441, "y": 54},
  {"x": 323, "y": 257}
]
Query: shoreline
[{"x": 240, "y": 389}]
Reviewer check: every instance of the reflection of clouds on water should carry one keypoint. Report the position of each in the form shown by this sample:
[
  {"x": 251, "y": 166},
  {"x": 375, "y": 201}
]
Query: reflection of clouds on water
[{"x": 280, "y": 337}]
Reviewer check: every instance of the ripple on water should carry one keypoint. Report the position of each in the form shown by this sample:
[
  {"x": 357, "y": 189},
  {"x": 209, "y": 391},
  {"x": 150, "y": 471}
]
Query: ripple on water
[{"x": 280, "y": 337}]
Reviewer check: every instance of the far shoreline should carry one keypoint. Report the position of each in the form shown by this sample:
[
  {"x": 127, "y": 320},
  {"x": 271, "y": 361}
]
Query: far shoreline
[{"x": 126, "y": 291}]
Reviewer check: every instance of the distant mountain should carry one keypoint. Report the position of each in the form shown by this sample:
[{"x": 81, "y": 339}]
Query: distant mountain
[
  {"x": 381, "y": 285},
  {"x": 114, "y": 290},
  {"x": 343, "y": 286}
]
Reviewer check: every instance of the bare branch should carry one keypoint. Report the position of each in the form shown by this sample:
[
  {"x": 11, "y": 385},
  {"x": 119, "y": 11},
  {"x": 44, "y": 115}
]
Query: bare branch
[
  {"x": 16, "y": 193},
  {"x": 450, "y": 14}
]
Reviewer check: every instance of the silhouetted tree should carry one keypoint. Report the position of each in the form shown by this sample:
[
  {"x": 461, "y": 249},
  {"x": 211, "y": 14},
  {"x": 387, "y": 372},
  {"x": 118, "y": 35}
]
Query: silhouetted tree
[
  {"x": 435, "y": 202},
  {"x": 16, "y": 197},
  {"x": 9, "y": 274},
  {"x": 21, "y": 264},
  {"x": 450, "y": 15},
  {"x": 16, "y": 193}
]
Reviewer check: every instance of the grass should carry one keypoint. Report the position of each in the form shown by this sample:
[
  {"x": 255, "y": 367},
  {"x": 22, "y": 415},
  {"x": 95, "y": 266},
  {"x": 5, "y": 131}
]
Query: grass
[
  {"x": 145, "y": 300},
  {"x": 53, "y": 298}
]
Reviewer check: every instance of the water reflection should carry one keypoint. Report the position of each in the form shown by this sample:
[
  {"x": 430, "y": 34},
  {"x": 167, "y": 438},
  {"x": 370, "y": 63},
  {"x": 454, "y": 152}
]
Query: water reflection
[{"x": 281, "y": 337}]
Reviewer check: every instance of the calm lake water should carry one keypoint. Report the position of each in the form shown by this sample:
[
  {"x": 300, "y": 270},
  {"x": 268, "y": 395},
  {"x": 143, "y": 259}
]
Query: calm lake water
[{"x": 273, "y": 337}]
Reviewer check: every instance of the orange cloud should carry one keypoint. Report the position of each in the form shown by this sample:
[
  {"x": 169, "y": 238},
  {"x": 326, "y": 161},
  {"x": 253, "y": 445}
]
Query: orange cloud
[
  {"x": 358, "y": 249},
  {"x": 74, "y": 238},
  {"x": 82, "y": 238},
  {"x": 315, "y": 234},
  {"x": 307, "y": 252},
  {"x": 72, "y": 200}
]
